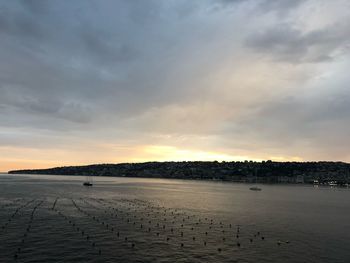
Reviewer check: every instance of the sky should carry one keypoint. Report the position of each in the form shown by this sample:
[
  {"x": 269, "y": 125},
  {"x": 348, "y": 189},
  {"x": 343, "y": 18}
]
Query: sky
[{"x": 111, "y": 81}]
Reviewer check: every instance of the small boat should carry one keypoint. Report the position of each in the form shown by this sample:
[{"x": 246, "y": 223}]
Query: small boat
[
  {"x": 88, "y": 181},
  {"x": 255, "y": 188},
  {"x": 333, "y": 183}
]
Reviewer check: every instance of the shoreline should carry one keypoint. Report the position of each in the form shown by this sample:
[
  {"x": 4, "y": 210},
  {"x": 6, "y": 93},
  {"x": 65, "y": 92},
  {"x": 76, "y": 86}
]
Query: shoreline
[{"x": 189, "y": 179}]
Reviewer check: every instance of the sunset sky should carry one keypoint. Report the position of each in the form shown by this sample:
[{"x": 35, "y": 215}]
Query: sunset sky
[{"x": 88, "y": 81}]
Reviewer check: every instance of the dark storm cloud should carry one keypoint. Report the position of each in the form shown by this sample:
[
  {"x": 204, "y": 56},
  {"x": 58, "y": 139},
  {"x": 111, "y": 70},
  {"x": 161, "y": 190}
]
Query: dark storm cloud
[
  {"x": 36, "y": 6},
  {"x": 104, "y": 48},
  {"x": 18, "y": 24},
  {"x": 285, "y": 43},
  {"x": 51, "y": 69},
  {"x": 145, "y": 70},
  {"x": 281, "y": 6}
]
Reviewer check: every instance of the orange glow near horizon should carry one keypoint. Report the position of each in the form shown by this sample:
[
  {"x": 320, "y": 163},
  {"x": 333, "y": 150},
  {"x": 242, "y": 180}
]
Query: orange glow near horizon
[
  {"x": 52, "y": 158},
  {"x": 184, "y": 86}
]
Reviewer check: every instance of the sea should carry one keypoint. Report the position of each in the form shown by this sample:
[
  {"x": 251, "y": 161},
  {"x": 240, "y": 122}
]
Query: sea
[{"x": 47, "y": 218}]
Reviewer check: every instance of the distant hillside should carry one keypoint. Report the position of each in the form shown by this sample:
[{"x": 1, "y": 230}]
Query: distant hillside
[{"x": 248, "y": 171}]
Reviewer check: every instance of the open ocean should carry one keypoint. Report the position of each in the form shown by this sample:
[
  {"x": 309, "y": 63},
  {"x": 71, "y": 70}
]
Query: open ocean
[{"x": 57, "y": 219}]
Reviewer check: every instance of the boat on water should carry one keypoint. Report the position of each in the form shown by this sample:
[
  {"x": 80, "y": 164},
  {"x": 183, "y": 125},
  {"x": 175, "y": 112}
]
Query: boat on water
[
  {"x": 88, "y": 181},
  {"x": 255, "y": 188},
  {"x": 333, "y": 183}
]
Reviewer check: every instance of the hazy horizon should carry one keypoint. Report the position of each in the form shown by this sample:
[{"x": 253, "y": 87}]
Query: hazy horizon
[
  {"x": 165, "y": 161},
  {"x": 85, "y": 82}
]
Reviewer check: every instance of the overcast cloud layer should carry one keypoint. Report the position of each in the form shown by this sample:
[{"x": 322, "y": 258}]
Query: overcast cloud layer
[{"x": 114, "y": 81}]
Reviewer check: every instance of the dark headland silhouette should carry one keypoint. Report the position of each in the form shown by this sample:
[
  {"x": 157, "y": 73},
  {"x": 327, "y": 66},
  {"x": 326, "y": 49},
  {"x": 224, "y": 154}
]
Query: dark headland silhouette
[{"x": 323, "y": 173}]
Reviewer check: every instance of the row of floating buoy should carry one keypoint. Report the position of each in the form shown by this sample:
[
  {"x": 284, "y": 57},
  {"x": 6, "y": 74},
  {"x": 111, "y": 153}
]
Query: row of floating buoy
[
  {"x": 133, "y": 205},
  {"x": 223, "y": 231},
  {"x": 168, "y": 238},
  {"x": 54, "y": 203},
  {"x": 80, "y": 230},
  {"x": 158, "y": 226},
  {"x": 29, "y": 225},
  {"x": 12, "y": 202},
  {"x": 128, "y": 220},
  {"x": 166, "y": 211},
  {"x": 13, "y": 215},
  {"x": 102, "y": 223},
  {"x": 165, "y": 219},
  {"x": 141, "y": 225}
]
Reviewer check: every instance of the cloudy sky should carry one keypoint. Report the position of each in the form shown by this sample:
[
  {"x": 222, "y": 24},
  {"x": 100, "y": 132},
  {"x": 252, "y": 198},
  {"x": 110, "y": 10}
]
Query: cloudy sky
[{"x": 126, "y": 81}]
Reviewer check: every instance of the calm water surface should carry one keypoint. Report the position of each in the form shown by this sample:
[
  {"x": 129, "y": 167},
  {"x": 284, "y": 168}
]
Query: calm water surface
[{"x": 56, "y": 219}]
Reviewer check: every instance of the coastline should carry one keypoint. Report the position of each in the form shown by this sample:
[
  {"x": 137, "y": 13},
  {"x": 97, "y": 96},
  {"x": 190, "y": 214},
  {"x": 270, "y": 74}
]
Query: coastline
[
  {"x": 189, "y": 179},
  {"x": 318, "y": 173}
]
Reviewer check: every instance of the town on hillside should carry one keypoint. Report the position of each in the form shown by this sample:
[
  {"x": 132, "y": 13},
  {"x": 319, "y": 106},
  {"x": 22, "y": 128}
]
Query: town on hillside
[{"x": 319, "y": 173}]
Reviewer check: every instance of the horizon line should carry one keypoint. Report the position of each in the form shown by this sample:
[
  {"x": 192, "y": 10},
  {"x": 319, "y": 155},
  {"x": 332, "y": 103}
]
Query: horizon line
[{"x": 219, "y": 161}]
